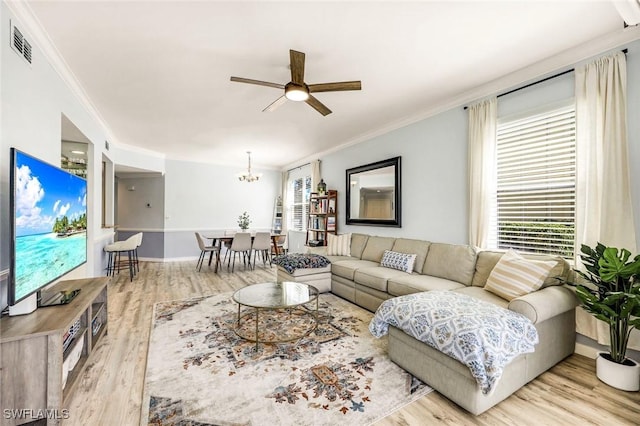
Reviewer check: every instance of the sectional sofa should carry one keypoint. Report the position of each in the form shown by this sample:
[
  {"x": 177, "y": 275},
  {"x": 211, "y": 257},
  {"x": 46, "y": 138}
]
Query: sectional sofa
[{"x": 360, "y": 279}]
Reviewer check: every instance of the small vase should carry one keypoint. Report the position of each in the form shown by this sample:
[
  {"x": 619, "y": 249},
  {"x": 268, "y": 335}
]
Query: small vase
[{"x": 620, "y": 376}]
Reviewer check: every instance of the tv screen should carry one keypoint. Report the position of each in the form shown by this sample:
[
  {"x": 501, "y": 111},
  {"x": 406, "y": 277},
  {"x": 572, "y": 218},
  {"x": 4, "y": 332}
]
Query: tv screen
[{"x": 49, "y": 224}]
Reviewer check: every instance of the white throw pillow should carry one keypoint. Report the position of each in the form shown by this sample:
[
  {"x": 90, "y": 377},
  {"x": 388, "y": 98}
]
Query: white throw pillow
[
  {"x": 515, "y": 276},
  {"x": 339, "y": 245},
  {"x": 400, "y": 261}
]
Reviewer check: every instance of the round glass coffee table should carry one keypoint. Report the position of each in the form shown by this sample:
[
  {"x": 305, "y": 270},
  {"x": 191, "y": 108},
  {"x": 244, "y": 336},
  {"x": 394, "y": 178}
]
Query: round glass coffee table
[{"x": 280, "y": 308}]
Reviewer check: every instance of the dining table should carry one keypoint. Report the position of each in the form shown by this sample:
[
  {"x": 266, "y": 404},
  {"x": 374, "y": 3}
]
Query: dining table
[{"x": 221, "y": 238}]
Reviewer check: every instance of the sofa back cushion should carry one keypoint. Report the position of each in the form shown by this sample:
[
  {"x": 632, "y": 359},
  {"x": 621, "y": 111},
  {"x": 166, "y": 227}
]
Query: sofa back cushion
[
  {"x": 358, "y": 241},
  {"x": 487, "y": 260},
  {"x": 375, "y": 248},
  {"x": 410, "y": 246},
  {"x": 451, "y": 261}
]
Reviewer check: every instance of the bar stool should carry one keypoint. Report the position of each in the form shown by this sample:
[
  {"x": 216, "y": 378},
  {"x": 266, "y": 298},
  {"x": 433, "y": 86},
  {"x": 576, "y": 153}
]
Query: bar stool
[{"x": 115, "y": 250}]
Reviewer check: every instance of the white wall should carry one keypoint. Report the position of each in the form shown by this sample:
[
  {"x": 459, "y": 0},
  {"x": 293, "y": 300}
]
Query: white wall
[
  {"x": 204, "y": 197},
  {"x": 34, "y": 97},
  {"x": 434, "y": 177},
  {"x": 141, "y": 203}
]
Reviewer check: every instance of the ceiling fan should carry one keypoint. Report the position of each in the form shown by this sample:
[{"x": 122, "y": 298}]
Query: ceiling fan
[{"x": 297, "y": 90}]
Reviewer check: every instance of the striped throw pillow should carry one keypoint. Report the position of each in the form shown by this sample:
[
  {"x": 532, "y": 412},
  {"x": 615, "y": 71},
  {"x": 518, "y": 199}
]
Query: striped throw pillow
[
  {"x": 339, "y": 245},
  {"x": 515, "y": 276}
]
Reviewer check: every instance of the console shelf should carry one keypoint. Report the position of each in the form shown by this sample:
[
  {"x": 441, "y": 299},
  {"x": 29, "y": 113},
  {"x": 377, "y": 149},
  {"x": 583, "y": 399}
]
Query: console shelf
[{"x": 33, "y": 361}]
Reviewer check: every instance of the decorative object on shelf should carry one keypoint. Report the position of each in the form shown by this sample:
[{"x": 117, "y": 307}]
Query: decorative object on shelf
[
  {"x": 248, "y": 176},
  {"x": 613, "y": 296},
  {"x": 244, "y": 221},
  {"x": 322, "y": 187},
  {"x": 374, "y": 194}
]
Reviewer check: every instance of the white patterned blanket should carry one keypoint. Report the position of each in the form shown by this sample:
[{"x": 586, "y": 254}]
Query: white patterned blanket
[{"x": 479, "y": 334}]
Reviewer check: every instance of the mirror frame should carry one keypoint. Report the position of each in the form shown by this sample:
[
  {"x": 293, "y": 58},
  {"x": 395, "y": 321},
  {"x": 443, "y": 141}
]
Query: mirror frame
[{"x": 396, "y": 220}]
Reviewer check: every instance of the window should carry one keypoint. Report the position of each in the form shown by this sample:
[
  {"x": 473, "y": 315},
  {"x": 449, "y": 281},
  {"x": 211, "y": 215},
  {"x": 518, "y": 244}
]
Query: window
[
  {"x": 536, "y": 182},
  {"x": 298, "y": 192}
]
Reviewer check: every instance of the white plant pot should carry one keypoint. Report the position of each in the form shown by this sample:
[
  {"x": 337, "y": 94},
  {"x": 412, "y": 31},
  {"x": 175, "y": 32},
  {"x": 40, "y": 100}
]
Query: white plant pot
[{"x": 619, "y": 376}]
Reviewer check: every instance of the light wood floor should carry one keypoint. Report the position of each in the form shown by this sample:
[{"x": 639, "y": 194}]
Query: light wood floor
[{"x": 110, "y": 392}]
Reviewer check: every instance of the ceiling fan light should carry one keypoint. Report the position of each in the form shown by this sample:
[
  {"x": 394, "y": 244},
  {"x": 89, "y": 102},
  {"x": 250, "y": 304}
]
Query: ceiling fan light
[{"x": 296, "y": 93}]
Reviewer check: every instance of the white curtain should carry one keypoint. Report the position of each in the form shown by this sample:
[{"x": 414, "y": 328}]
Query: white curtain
[
  {"x": 603, "y": 185},
  {"x": 603, "y": 193},
  {"x": 482, "y": 170},
  {"x": 315, "y": 174}
]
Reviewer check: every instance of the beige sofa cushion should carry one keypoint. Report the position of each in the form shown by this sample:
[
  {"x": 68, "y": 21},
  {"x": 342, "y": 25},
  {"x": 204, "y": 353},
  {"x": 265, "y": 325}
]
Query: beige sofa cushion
[
  {"x": 376, "y": 277},
  {"x": 451, "y": 261},
  {"x": 482, "y": 294},
  {"x": 347, "y": 268},
  {"x": 375, "y": 248},
  {"x": 410, "y": 246},
  {"x": 414, "y": 283},
  {"x": 358, "y": 241},
  {"x": 487, "y": 260}
]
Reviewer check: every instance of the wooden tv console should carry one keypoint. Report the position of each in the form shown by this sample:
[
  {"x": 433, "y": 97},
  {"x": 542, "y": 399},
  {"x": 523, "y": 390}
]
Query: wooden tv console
[{"x": 33, "y": 353}]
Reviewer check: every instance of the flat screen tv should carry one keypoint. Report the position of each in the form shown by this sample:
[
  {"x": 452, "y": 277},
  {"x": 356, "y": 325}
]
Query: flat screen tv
[{"x": 48, "y": 208}]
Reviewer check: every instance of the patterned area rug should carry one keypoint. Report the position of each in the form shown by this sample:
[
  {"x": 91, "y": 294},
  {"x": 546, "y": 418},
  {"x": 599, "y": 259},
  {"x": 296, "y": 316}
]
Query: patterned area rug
[{"x": 199, "y": 372}]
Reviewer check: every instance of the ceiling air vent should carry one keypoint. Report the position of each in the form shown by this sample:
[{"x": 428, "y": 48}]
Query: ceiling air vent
[{"x": 20, "y": 44}]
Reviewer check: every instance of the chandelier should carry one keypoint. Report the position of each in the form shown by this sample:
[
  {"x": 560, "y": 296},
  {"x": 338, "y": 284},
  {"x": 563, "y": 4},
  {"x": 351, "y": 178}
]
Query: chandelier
[{"x": 248, "y": 176}]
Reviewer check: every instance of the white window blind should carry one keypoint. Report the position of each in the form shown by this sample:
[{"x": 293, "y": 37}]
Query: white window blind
[
  {"x": 299, "y": 190},
  {"x": 536, "y": 174}
]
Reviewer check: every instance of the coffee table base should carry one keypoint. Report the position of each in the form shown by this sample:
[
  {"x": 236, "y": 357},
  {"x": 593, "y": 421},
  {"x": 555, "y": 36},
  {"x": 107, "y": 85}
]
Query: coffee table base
[{"x": 274, "y": 320}]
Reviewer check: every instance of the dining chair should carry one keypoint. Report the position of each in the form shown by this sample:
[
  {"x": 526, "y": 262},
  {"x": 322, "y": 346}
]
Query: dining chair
[
  {"x": 282, "y": 244},
  {"x": 241, "y": 244},
  {"x": 227, "y": 243},
  {"x": 204, "y": 249},
  {"x": 262, "y": 244}
]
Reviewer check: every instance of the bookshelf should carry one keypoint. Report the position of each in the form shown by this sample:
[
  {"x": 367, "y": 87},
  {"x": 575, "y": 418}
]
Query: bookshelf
[{"x": 322, "y": 217}]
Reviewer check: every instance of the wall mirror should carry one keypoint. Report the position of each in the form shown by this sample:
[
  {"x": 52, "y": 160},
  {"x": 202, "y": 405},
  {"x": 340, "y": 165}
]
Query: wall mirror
[{"x": 373, "y": 194}]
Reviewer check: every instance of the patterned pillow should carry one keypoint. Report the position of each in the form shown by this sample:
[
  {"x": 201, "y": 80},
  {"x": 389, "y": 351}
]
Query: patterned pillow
[
  {"x": 400, "y": 261},
  {"x": 339, "y": 245},
  {"x": 515, "y": 276}
]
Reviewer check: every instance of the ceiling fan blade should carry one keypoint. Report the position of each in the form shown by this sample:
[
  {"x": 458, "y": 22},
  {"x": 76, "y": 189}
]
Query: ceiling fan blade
[
  {"x": 297, "y": 67},
  {"x": 275, "y": 104},
  {"x": 318, "y": 106},
  {"x": 258, "y": 82},
  {"x": 335, "y": 87}
]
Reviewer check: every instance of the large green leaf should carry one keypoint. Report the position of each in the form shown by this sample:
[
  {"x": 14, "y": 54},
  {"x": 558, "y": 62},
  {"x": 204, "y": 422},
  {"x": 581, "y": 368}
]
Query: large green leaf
[{"x": 613, "y": 265}]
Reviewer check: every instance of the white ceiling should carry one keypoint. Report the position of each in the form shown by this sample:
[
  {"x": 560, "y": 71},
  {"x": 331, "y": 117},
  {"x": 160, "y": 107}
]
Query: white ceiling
[{"x": 158, "y": 72}]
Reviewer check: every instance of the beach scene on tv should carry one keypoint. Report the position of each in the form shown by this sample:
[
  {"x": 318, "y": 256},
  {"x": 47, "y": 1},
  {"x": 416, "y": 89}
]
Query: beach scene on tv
[{"x": 50, "y": 223}]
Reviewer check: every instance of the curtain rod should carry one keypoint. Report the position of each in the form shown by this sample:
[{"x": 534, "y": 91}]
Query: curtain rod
[
  {"x": 300, "y": 166},
  {"x": 540, "y": 81}
]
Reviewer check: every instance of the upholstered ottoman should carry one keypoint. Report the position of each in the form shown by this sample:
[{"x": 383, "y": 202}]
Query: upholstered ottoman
[{"x": 305, "y": 268}]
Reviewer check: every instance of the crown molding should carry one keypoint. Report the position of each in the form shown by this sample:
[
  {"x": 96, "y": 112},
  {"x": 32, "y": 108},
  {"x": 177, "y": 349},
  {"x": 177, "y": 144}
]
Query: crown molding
[
  {"x": 32, "y": 26},
  {"x": 562, "y": 61}
]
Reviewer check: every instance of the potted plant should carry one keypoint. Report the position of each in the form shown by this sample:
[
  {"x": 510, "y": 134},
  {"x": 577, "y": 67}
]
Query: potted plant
[
  {"x": 244, "y": 221},
  {"x": 613, "y": 296}
]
